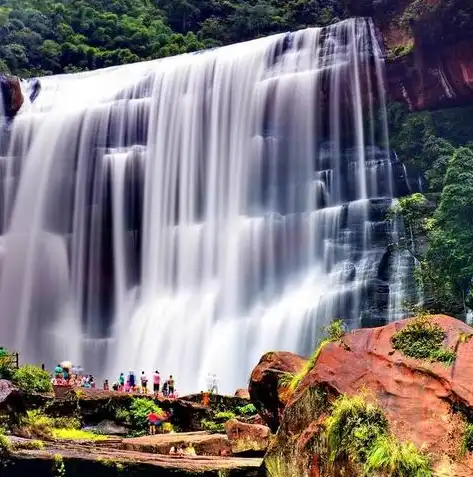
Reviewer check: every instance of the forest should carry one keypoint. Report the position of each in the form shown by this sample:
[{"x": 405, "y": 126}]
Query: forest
[{"x": 40, "y": 37}]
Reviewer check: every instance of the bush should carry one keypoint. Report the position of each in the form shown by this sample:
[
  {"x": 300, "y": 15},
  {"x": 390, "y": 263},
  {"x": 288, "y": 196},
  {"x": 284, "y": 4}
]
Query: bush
[
  {"x": 36, "y": 423},
  {"x": 139, "y": 411},
  {"x": 224, "y": 416},
  {"x": 422, "y": 339},
  {"x": 123, "y": 416},
  {"x": 76, "y": 435},
  {"x": 212, "y": 426},
  {"x": 248, "y": 410},
  {"x": 5, "y": 446},
  {"x": 66, "y": 423},
  {"x": 32, "y": 378},
  {"x": 168, "y": 428},
  {"x": 390, "y": 457},
  {"x": 7, "y": 370},
  {"x": 353, "y": 426},
  {"x": 29, "y": 445}
]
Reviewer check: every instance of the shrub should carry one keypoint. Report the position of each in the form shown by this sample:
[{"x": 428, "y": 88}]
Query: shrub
[
  {"x": 139, "y": 411},
  {"x": 423, "y": 339},
  {"x": 5, "y": 446},
  {"x": 212, "y": 426},
  {"x": 7, "y": 369},
  {"x": 123, "y": 416},
  {"x": 66, "y": 423},
  {"x": 397, "y": 459},
  {"x": 224, "y": 416},
  {"x": 168, "y": 428},
  {"x": 37, "y": 424},
  {"x": 32, "y": 378},
  {"x": 248, "y": 410},
  {"x": 353, "y": 426},
  {"x": 335, "y": 331}
]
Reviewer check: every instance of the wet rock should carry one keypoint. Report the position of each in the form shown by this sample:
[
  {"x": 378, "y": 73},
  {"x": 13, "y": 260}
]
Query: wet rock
[
  {"x": 12, "y": 402},
  {"x": 264, "y": 389},
  {"x": 247, "y": 438},
  {"x": 108, "y": 428}
]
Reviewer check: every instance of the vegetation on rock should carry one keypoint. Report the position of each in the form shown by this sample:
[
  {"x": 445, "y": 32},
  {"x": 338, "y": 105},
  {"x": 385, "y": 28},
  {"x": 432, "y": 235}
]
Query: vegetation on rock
[
  {"x": 359, "y": 430},
  {"x": 76, "y": 435},
  {"x": 423, "y": 339}
]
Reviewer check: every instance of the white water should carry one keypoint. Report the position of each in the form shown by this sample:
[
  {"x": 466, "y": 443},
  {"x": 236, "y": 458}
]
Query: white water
[{"x": 190, "y": 214}]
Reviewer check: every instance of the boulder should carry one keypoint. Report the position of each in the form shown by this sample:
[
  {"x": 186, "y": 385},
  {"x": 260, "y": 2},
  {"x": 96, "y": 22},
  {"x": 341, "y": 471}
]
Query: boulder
[
  {"x": 12, "y": 97},
  {"x": 264, "y": 387},
  {"x": 12, "y": 401},
  {"x": 419, "y": 398},
  {"x": 242, "y": 393},
  {"x": 247, "y": 438}
]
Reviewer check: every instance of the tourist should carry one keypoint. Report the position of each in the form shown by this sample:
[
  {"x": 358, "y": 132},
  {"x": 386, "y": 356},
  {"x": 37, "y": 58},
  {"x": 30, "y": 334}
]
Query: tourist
[
  {"x": 165, "y": 388},
  {"x": 144, "y": 383},
  {"x": 180, "y": 451},
  {"x": 156, "y": 382},
  {"x": 121, "y": 381},
  {"x": 171, "y": 386},
  {"x": 214, "y": 384},
  {"x": 205, "y": 399},
  {"x": 91, "y": 381},
  {"x": 153, "y": 419},
  {"x": 58, "y": 372},
  {"x": 172, "y": 451},
  {"x": 190, "y": 451},
  {"x": 127, "y": 386},
  {"x": 115, "y": 386},
  {"x": 106, "y": 386},
  {"x": 131, "y": 380}
]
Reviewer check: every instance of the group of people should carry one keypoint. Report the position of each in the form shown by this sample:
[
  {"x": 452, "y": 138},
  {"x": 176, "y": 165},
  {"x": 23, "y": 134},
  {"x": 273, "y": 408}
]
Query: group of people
[
  {"x": 185, "y": 449},
  {"x": 68, "y": 375},
  {"x": 133, "y": 385}
]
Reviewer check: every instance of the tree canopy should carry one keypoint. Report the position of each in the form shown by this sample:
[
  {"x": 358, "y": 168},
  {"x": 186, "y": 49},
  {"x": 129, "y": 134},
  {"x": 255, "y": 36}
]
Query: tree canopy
[{"x": 39, "y": 37}]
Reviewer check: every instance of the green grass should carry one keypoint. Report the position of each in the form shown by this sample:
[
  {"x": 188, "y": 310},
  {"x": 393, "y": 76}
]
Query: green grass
[
  {"x": 392, "y": 458},
  {"x": 423, "y": 339},
  {"x": 467, "y": 443},
  {"x": 76, "y": 435},
  {"x": 353, "y": 426}
]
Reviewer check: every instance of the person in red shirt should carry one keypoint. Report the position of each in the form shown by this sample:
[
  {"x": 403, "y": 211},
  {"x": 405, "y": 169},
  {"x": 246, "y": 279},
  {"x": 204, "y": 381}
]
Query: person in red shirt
[{"x": 153, "y": 419}]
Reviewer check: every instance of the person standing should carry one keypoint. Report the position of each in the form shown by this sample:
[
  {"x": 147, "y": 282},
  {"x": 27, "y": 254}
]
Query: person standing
[
  {"x": 144, "y": 382},
  {"x": 152, "y": 420},
  {"x": 131, "y": 380},
  {"x": 156, "y": 382},
  {"x": 171, "y": 386},
  {"x": 121, "y": 381}
]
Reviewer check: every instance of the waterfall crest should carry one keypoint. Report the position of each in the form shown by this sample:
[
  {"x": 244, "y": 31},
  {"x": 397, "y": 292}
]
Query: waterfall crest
[{"x": 190, "y": 213}]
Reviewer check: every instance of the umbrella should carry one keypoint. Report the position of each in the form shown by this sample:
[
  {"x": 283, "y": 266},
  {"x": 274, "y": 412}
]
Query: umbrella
[{"x": 66, "y": 364}]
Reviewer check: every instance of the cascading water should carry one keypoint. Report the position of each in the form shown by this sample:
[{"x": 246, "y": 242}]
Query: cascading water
[{"x": 189, "y": 214}]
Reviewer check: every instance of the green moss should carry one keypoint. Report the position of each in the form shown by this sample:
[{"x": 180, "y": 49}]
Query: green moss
[
  {"x": 224, "y": 416},
  {"x": 76, "y": 435},
  {"x": 423, "y": 339},
  {"x": 388, "y": 456},
  {"x": 212, "y": 426}
]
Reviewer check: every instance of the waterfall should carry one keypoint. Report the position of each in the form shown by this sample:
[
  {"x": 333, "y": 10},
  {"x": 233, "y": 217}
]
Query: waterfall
[{"x": 188, "y": 214}]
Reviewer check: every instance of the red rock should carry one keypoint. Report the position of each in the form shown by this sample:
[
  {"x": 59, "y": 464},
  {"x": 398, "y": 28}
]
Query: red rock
[
  {"x": 246, "y": 438},
  {"x": 242, "y": 393},
  {"x": 264, "y": 389},
  {"x": 417, "y": 396}
]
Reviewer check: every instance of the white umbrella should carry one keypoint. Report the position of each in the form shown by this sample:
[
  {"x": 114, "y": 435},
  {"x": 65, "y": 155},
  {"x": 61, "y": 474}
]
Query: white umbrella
[{"x": 66, "y": 364}]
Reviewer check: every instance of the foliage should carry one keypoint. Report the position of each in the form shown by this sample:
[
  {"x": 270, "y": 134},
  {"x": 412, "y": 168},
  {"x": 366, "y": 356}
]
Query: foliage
[
  {"x": 353, "y": 426},
  {"x": 66, "y": 423},
  {"x": 76, "y": 435},
  {"x": 44, "y": 36},
  {"x": 392, "y": 458},
  {"x": 59, "y": 469},
  {"x": 38, "y": 424},
  {"x": 7, "y": 368},
  {"x": 333, "y": 332},
  {"x": 168, "y": 428},
  {"x": 224, "y": 416},
  {"x": 31, "y": 378},
  {"x": 5, "y": 445},
  {"x": 423, "y": 339},
  {"x": 123, "y": 416},
  {"x": 248, "y": 410},
  {"x": 139, "y": 411},
  {"x": 467, "y": 442},
  {"x": 212, "y": 426}
]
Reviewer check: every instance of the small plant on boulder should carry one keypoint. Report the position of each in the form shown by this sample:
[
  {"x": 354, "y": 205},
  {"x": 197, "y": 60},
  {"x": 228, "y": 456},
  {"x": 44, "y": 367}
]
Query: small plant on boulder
[
  {"x": 33, "y": 379},
  {"x": 139, "y": 411},
  {"x": 423, "y": 339}
]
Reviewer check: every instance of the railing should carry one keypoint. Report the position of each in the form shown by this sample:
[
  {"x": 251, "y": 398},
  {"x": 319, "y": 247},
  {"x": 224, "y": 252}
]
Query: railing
[{"x": 12, "y": 360}]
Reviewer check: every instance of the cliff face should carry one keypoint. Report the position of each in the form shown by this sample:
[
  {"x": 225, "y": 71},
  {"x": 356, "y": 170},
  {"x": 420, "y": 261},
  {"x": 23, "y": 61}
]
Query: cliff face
[{"x": 429, "y": 45}]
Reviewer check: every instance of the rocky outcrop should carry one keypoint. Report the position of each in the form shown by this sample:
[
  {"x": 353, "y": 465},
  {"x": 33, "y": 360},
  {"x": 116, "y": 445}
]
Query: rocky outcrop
[
  {"x": 247, "y": 438},
  {"x": 242, "y": 393},
  {"x": 425, "y": 402},
  {"x": 429, "y": 45},
  {"x": 11, "y": 95},
  {"x": 264, "y": 387},
  {"x": 203, "y": 442}
]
